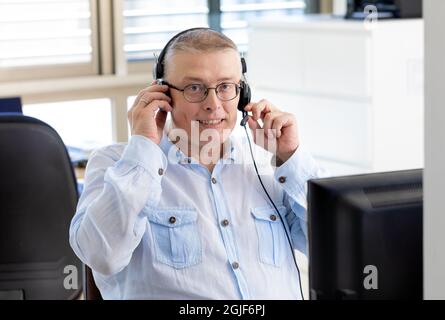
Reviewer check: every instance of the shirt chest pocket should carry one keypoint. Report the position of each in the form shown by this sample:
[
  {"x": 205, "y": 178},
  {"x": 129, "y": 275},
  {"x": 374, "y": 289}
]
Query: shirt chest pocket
[
  {"x": 272, "y": 242},
  {"x": 176, "y": 237}
]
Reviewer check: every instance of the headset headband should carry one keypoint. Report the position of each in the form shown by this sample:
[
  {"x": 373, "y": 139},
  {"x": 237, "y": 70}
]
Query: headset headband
[{"x": 158, "y": 68}]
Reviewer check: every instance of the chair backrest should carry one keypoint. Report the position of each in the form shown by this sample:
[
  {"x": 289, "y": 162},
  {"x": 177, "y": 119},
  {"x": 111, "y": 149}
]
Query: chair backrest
[
  {"x": 13, "y": 105},
  {"x": 38, "y": 198},
  {"x": 91, "y": 291}
]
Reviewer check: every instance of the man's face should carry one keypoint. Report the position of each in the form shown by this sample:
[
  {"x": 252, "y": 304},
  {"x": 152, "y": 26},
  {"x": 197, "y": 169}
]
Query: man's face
[{"x": 209, "y": 69}]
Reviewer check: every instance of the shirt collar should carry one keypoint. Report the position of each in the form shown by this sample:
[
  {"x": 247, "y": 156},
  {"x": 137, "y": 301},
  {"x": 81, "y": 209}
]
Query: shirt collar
[{"x": 174, "y": 155}]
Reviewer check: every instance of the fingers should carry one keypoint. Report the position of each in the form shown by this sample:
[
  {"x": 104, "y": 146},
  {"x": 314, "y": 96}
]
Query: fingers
[
  {"x": 150, "y": 109},
  {"x": 253, "y": 124},
  {"x": 154, "y": 100},
  {"x": 268, "y": 121},
  {"x": 260, "y": 109},
  {"x": 153, "y": 88},
  {"x": 280, "y": 122},
  {"x": 144, "y": 117},
  {"x": 154, "y": 105},
  {"x": 273, "y": 119},
  {"x": 275, "y": 122},
  {"x": 147, "y": 98}
]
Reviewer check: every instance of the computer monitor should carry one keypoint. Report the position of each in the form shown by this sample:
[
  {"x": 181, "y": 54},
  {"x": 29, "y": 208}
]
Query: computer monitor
[
  {"x": 365, "y": 236},
  {"x": 384, "y": 9}
]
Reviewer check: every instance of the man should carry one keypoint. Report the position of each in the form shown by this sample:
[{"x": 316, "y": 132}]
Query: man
[{"x": 170, "y": 216}]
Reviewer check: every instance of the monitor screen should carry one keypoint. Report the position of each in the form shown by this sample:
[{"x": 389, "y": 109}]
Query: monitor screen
[
  {"x": 365, "y": 236},
  {"x": 384, "y": 9}
]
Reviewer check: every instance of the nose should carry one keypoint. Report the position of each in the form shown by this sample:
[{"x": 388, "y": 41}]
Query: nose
[{"x": 211, "y": 102}]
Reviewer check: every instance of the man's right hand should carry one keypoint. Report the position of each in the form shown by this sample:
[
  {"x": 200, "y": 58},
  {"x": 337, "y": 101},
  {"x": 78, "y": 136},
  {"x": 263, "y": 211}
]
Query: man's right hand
[{"x": 144, "y": 117}]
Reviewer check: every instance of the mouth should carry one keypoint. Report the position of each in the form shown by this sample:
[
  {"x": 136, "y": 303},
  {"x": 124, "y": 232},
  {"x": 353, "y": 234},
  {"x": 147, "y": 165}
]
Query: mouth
[{"x": 214, "y": 123}]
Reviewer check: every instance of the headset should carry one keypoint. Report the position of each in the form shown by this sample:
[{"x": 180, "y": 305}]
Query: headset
[
  {"x": 245, "y": 97},
  {"x": 245, "y": 93}
]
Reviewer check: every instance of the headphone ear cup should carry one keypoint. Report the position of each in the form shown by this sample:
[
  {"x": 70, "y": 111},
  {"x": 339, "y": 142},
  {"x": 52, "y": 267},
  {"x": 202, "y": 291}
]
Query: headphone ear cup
[
  {"x": 158, "y": 70},
  {"x": 245, "y": 96}
]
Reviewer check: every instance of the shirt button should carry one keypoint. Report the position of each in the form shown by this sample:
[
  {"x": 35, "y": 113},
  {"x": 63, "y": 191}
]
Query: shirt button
[
  {"x": 225, "y": 223},
  {"x": 161, "y": 171},
  {"x": 235, "y": 265},
  {"x": 282, "y": 179},
  {"x": 213, "y": 180},
  {"x": 273, "y": 217},
  {"x": 172, "y": 220}
]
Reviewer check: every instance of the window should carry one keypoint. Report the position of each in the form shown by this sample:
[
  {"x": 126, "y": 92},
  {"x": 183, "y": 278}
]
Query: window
[
  {"x": 130, "y": 101},
  {"x": 82, "y": 123},
  {"x": 236, "y": 14},
  {"x": 44, "y": 34},
  {"x": 148, "y": 24}
]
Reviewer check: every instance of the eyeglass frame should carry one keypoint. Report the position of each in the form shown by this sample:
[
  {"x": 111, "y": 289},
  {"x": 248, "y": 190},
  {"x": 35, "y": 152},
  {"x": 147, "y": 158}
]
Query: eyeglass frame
[{"x": 237, "y": 86}]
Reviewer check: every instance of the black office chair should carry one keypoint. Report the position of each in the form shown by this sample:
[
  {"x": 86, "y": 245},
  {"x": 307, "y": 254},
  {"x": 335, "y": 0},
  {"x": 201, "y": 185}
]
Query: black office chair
[{"x": 38, "y": 197}]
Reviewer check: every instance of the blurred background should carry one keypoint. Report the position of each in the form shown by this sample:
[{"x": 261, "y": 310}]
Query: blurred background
[{"x": 78, "y": 64}]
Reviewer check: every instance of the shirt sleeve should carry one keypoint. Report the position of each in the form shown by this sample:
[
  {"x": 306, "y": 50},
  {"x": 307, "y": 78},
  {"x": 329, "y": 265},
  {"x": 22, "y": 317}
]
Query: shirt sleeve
[
  {"x": 108, "y": 224},
  {"x": 293, "y": 176}
]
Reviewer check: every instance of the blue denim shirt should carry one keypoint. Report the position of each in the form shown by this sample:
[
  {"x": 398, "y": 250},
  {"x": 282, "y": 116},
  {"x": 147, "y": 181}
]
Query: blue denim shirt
[{"x": 154, "y": 224}]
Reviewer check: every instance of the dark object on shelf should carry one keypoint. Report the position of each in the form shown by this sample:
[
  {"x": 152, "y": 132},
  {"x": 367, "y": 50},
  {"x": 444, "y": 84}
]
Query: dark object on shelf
[
  {"x": 11, "y": 105},
  {"x": 384, "y": 9}
]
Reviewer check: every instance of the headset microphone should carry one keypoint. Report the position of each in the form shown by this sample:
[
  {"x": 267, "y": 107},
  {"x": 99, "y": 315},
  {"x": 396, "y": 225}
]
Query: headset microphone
[{"x": 245, "y": 94}]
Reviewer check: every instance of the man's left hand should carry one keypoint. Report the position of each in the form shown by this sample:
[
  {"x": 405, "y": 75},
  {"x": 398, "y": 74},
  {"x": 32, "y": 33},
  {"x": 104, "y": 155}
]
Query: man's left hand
[{"x": 279, "y": 127}]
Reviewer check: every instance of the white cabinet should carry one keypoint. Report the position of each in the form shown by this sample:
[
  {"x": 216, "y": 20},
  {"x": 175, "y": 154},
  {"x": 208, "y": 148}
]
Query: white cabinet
[{"x": 356, "y": 89}]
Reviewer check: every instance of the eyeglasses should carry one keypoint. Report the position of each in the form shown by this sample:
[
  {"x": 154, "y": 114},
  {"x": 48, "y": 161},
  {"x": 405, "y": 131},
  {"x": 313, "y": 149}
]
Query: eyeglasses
[{"x": 196, "y": 92}]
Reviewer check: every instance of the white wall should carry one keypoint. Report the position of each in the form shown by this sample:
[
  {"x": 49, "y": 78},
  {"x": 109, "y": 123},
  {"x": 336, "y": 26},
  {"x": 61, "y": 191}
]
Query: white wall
[{"x": 434, "y": 175}]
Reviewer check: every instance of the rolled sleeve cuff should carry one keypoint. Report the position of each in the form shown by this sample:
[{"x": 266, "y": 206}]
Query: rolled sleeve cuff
[
  {"x": 295, "y": 172},
  {"x": 143, "y": 152}
]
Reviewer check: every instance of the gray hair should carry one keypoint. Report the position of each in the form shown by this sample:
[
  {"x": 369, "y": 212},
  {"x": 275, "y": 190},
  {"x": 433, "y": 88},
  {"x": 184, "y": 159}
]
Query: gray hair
[{"x": 199, "y": 40}]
